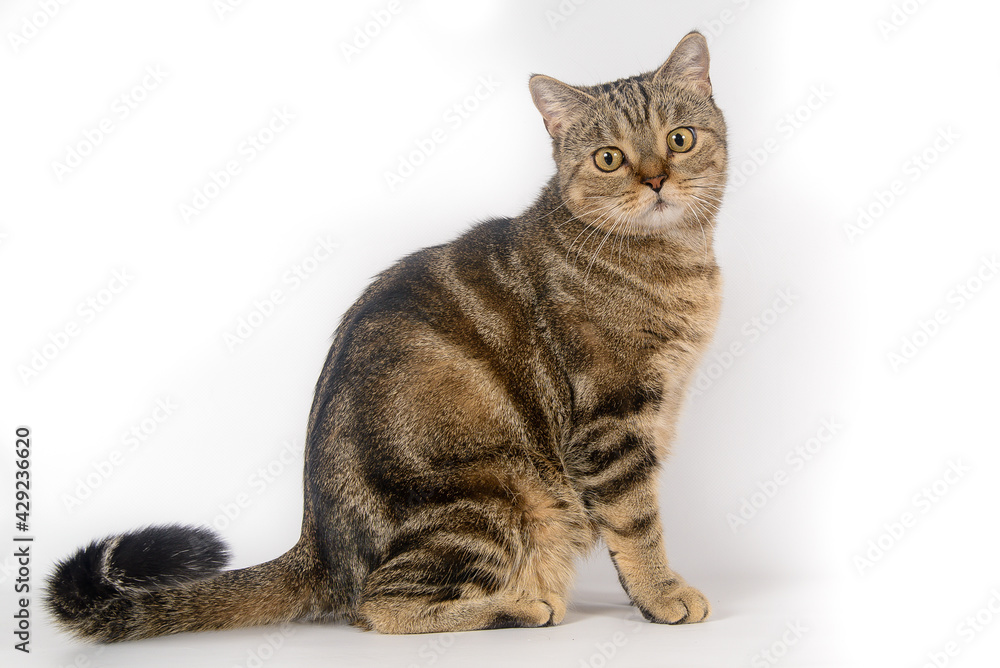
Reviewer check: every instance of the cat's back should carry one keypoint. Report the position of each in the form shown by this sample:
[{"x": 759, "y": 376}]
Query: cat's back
[
  {"x": 470, "y": 290},
  {"x": 441, "y": 315}
]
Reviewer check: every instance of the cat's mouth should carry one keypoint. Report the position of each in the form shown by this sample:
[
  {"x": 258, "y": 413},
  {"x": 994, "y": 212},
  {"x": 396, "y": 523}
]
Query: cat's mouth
[
  {"x": 664, "y": 206},
  {"x": 661, "y": 213}
]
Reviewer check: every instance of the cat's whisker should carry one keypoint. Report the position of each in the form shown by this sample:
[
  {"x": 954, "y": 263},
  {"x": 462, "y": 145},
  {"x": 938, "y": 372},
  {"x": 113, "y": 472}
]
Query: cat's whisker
[
  {"x": 597, "y": 252},
  {"x": 626, "y": 237},
  {"x": 707, "y": 207},
  {"x": 706, "y": 175},
  {"x": 710, "y": 203},
  {"x": 591, "y": 211},
  {"x": 597, "y": 227},
  {"x": 694, "y": 206},
  {"x": 586, "y": 227}
]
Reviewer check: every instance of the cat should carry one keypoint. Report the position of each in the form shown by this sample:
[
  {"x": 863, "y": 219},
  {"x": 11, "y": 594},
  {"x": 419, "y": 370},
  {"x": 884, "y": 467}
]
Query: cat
[{"x": 490, "y": 409}]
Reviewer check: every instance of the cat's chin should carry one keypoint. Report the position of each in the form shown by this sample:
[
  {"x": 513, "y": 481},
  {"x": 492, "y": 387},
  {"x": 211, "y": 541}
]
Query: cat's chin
[{"x": 661, "y": 217}]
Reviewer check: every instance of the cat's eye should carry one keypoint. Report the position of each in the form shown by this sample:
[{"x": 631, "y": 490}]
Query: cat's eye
[
  {"x": 608, "y": 159},
  {"x": 681, "y": 140}
]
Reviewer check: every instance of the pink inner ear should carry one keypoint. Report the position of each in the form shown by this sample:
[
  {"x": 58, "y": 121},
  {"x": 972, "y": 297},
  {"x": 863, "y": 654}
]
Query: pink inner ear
[
  {"x": 688, "y": 64},
  {"x": 556, "y": 118},
  {"x": 557, "y": 102}
]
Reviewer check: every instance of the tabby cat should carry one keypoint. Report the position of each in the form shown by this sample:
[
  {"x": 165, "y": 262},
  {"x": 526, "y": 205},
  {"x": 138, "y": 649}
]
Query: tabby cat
[{"x": 490, "y": 408}]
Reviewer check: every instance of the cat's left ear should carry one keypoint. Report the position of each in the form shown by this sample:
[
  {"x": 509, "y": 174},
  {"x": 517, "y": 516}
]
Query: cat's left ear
[
  {"x": 558, "y": 103},
  {"x": 688, "y": 64}
]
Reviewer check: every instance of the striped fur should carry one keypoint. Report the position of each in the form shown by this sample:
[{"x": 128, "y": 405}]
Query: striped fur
[{"x": 490, "y": 409}]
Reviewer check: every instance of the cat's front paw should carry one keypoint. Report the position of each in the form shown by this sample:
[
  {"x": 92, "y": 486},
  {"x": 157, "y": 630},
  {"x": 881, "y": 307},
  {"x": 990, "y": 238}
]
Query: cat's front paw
[{"x": 677, "y": 604}]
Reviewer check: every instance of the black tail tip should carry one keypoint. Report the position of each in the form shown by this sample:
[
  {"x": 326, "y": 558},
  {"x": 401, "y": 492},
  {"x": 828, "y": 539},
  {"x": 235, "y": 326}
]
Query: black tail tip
[{"x": 120, "y": 568}]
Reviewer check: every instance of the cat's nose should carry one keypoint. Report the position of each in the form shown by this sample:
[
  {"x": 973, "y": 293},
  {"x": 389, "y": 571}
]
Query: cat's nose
[{"x": 655, "y": 182}]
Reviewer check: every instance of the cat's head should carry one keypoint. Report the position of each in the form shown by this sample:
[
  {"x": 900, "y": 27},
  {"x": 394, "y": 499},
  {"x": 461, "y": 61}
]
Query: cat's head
[{"x": 644, "y": 155}]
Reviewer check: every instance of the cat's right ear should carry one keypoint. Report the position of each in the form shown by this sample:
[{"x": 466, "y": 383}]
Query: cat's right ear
[{"x": 558, "y": 103}]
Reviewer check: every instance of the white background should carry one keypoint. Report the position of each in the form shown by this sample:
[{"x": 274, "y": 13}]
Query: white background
[{"x": 827, "y": 104}]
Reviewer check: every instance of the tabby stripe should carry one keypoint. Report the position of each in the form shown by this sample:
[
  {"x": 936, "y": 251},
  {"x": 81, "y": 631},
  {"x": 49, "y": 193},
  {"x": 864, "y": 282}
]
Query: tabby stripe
[
  {"x": 598, "y": 460},
  {"x": 645, "y": 104},
  {"x": 626, "y": 401},
  {"x": 491, "y": 539},
  {"x": 489, "y": 551},
  {"x": 434, "y": 593},
  {"x": 614, "y": 469},
  {"x": 629, "y": 107},
  {"x": 613, "y": 489},
  {"x": 638, "y": 527},
  {"x": 454, "y": 565},
  {"x": 591, "y": 432}
]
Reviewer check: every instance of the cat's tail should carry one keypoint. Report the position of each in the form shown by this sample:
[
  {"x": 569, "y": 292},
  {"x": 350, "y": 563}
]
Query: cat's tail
[{"x": 169, "y": 579}]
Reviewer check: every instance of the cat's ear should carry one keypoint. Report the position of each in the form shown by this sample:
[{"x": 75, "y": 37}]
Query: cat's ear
[
  {"x": 688, "y": 64},
  {"x": 558, "y": 103}
]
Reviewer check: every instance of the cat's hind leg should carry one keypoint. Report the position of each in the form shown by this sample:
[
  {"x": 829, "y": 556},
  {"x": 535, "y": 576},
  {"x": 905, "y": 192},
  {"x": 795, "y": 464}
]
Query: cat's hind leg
[
  {"x": 473, "y": 564},
  {"x": 401, "y": 613}
]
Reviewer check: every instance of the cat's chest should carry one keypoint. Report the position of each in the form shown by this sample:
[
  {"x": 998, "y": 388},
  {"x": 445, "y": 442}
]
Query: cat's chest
[
  {"x": 655, "y": 322},
  {"x": 632, "y": 355}
]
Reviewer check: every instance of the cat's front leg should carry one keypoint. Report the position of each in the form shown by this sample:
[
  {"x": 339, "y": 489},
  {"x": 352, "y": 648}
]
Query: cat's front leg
[{"x": 630, "y": 525}]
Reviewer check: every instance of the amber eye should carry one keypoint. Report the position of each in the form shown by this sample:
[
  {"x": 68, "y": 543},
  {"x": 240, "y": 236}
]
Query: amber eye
[
  {"x": 609, "y": 158},
  {"x": 681, "y": 140}
]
